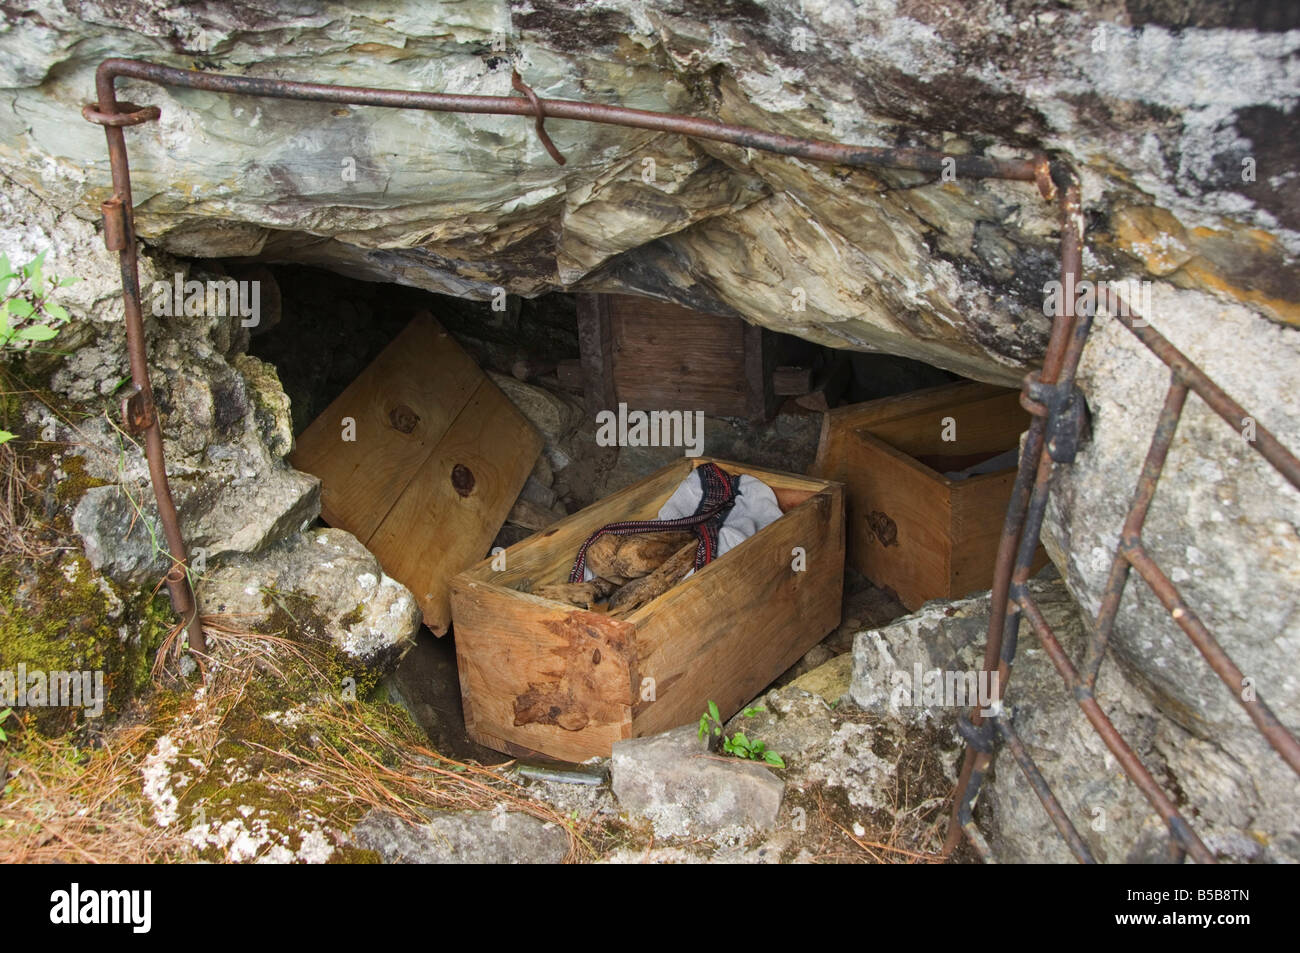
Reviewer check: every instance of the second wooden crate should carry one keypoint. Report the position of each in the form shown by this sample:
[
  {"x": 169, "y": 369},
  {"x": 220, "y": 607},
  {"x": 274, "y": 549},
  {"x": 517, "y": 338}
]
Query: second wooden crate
[
  {"x": 653, "y": 355},
  {"x": 910, "y": 527}
]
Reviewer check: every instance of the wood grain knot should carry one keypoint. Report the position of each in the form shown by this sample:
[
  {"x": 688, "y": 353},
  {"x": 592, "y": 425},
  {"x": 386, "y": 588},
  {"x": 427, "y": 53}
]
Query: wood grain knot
[
  {"x": 885, "y": 529},
  {"x": 403, "y": 418},
  {"x": 462, "y": 478}
]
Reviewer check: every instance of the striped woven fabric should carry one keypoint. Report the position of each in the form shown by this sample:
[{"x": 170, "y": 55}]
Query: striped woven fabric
[{"x": 720, "y": 492}]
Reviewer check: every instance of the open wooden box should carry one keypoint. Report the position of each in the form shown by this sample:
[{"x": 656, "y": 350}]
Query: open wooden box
[
  {"x": 538, "y": 676},
  {"x": 911, "y": 528}
]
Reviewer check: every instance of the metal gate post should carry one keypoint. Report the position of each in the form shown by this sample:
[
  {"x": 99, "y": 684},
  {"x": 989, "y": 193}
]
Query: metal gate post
[{"x": 119, "y": 228}]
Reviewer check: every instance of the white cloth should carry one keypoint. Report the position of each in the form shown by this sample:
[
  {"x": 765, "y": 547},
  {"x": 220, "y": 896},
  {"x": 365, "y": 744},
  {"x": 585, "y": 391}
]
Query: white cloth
[{"x": 755, "y": 508}]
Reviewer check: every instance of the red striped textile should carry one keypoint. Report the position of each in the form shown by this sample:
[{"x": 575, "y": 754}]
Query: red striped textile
[{"x": 720, "y": 492}]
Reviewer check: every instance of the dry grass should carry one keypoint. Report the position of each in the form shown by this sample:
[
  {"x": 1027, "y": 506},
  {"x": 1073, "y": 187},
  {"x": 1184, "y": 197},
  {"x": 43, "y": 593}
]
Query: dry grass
[
  {"x": 68, "y": 804},
  {"x": 24, "y": 480},
  {"x": 908, "y": 828},
  {"x": 65, "y": 805},
  {"x": 21, "y": 534},
  {"x": 411, "y": 779}
]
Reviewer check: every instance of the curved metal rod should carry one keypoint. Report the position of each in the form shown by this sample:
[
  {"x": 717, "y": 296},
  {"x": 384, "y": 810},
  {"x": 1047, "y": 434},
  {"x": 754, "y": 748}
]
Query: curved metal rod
[
  {"x": 119, "y": 213},
  {"x": 1031, "y": 169}
]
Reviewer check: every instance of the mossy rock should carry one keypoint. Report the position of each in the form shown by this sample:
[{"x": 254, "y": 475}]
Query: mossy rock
[{"x": 59, "y": 615}]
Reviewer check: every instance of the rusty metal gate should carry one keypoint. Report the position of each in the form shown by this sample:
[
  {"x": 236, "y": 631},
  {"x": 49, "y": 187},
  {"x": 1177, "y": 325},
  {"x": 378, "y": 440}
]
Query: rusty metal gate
[
  {"x": 1049, "y": 395},
  {"x": 1053, "y": 438}
]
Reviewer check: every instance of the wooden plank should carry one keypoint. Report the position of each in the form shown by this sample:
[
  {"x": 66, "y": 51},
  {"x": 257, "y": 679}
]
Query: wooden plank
[
  {"x": 596, "y": 353},
  {"x": 666, "y": 357},
  {"x": 542, "y": 676},
  {"x": 829, "y": 385},
  {"x": 792, "y": 380},
  {"x": 988, "y": 425},
  {"x": 839, "y": 424},
  {"x": 899, "y": 521},
  {"x": 725, "y": 633},
  {"x": 402, "y": 405},
  {"x": 979, "y": 507},
  {"x": 449, "y": 513},
  {"x": 759, "y": 363}
]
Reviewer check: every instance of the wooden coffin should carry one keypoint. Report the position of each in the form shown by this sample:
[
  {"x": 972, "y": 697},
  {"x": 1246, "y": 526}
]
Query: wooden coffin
[
  {"x": 545, "y": 677},
  {"x": 910, "y": 528}
]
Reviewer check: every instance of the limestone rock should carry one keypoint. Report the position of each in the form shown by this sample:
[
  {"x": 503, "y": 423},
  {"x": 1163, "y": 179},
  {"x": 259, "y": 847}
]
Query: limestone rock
[
  {"x": 830, "y": 680},
  {"x": 1243, "y": 810},
  {"x": 948, "y": 272},
  {"x": 327, "y": 583},
  {"x": 462, "y": 837},
  {"x": 219, "y": 517},
  {"x": 890, "y": 662},
  {"x": 1224, "y": 526},
  {"x": 674, "y": 781},
  {"x": 270, "y": 404},
  {"x": 550, "y": 413}
]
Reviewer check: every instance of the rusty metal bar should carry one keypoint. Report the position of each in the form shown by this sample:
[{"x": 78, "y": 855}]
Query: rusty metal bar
[
  {"x": 1064, "y": 826},
  {"x": 119, "y": 226},
  {"x": 1268, "y": 446},
  {"x": 1033, "y": 169},
  {"x": 1137, "y": 514},
  {"x": 1265, "y": 720},
  {"x": 1063, "y": 350},
  {"x": 1179, "y": 829},
  {"x": 139, "y": 411}
]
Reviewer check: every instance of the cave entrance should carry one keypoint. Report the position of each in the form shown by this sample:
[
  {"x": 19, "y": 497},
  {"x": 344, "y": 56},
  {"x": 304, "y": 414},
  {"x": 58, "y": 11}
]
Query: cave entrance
[{"x": 321, "y": 330}]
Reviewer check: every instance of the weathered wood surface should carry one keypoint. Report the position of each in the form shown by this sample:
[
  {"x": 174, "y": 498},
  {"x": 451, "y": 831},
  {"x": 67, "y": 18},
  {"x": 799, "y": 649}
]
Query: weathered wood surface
[
  {"x": 401, "y": 406},
  {"x": 439, "y": 457},
  {"x": 910, "y": 528},
  {"x": 653, "y": 355},
  {"x": 722, "y": 634}
]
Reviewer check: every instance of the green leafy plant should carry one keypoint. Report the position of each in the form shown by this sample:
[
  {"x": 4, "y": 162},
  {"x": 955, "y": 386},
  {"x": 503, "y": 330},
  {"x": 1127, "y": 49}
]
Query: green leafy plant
[
  {"x": 28, "y": 316},
  {"x": 738, "y": 745},
  {"x": 4, "y": 716}
]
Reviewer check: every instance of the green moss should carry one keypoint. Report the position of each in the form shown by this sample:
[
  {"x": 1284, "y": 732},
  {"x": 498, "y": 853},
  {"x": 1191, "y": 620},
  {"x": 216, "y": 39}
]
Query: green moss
[
  {"x": 353, "y": 617},
  {"x": 59, "y": 615},
  {"x": 294, "y": 616},
  {"x": 72, "y": 487},
  {"x": 253, "y": 775}
]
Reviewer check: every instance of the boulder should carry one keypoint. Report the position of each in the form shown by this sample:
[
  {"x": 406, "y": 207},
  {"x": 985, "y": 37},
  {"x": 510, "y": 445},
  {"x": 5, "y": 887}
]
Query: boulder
[
  {"x": 462, "y": 837},
  {"x": 324, "y": 582},
  {"x": 890, "y": 663},
  {"x": 673, "y": 780},
  {"x": 123, "y": 537},
  {"x": 550, "y": 413}
]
